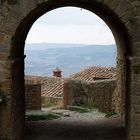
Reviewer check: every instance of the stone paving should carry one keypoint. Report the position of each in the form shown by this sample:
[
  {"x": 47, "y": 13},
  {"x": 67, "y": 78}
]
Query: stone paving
[{"x": 77, "y": 126}]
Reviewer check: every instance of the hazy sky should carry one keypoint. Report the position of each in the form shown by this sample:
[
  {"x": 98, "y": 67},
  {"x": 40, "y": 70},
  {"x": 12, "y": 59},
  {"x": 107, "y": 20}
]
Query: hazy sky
[{"x": 70, "y": 25}]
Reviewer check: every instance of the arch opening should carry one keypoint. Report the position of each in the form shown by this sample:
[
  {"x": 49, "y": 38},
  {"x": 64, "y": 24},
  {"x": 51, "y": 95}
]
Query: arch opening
[
  {"x": 69, "y": 51},
  {"x": 18, "y": 42}
]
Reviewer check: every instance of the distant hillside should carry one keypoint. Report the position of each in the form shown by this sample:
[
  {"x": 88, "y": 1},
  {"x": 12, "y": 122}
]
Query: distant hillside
[
  {"x": 41, "y": 59},
  {"x": 44, "y": 46}
]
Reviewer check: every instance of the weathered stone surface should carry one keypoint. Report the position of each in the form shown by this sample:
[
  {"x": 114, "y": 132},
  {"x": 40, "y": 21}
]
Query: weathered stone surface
[
  {"x": 98, "y": 94},
  {"x": 33, "y": 96},
  {"x": 135, "y": 137}
]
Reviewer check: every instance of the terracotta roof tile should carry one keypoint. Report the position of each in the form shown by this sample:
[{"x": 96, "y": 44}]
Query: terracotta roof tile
[
  {"x": 50, "y": 86},
  {"x": 94, "y": 73}
]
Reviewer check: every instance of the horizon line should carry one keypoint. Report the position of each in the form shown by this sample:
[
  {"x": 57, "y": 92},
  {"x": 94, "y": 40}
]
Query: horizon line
[{"x": 69, "y": 43}]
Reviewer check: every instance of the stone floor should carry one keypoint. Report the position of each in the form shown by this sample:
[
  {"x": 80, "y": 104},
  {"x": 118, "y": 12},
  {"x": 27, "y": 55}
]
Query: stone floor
[{"x": 77, "y": 126}]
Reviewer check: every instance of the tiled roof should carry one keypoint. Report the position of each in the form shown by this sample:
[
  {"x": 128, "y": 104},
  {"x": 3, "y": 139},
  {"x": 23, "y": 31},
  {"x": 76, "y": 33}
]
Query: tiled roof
[
  {"x": 95, "y": 73},
  {"x": 34, "y": 79},
  {"x": 53, "y": 86},
  {"x": 50, "y": 86}
]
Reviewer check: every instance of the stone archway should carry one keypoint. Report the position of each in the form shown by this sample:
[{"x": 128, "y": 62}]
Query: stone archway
[{"x": 123, "y": 18}]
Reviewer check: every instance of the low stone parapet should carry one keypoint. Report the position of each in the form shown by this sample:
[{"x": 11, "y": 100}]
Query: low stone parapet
[{"x": 97, "y": 94}]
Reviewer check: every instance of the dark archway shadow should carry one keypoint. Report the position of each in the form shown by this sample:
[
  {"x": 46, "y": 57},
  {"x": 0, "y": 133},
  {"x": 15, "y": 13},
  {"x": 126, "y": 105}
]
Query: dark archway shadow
[{"x": 104, "y": 129}]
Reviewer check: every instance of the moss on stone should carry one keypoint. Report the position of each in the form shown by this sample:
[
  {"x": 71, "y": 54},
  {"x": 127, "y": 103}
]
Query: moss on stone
[
  {"x": 38, "y": 117},
  {"x": 110, "y": 114},
  {"x": 9, "y": 1},
  {"x": 3, "y": 99},
  {"x": 137, "y": 69}
]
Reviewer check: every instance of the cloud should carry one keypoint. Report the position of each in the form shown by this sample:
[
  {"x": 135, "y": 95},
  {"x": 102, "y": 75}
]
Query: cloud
[
  {"x": 70, "y": 25},
  {"x": 87, "y": 34}
]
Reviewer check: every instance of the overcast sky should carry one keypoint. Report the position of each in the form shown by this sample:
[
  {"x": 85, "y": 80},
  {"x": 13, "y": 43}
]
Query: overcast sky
[{"x": 70, "y": 25}]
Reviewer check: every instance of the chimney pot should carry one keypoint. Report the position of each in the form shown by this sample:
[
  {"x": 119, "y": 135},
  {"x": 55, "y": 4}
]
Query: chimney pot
[{"x": 57, "y": 72}]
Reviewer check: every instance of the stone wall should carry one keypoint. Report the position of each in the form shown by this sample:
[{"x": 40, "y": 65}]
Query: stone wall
[
  {"x": 33, "y": 96},
  {"x": 97, "y": 94},
  {"x": 119, "y": 98}
]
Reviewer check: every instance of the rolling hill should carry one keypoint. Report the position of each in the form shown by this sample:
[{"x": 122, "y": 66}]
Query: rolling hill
[{"x": 42, "y": 59}]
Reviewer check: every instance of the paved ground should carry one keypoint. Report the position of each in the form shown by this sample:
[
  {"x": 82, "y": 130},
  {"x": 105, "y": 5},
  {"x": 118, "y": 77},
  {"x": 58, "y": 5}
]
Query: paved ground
[{"x": 85, "y": 126}]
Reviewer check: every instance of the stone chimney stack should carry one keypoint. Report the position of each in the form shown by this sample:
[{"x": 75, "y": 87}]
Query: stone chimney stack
[{"x": 57, "y": 72}]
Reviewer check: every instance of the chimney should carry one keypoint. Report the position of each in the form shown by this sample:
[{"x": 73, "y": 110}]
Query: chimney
[{"x": 57, "y": 72}]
